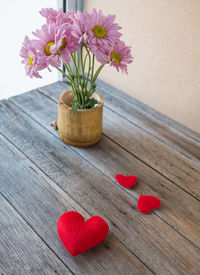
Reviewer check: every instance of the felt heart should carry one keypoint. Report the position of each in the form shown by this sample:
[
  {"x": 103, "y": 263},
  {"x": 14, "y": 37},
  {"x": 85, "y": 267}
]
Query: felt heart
[
  {"x": 148, "y": 203},
  {"x": 78, "y": 235},
  {"x": 126, "y": 181}
]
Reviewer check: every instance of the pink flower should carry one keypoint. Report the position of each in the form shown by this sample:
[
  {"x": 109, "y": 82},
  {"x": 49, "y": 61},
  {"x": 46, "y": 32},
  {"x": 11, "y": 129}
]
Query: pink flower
[
  {"x": 30, "y": 59},
  {"x": 58, "y": 17},
  {"x": 120, "y": 56},
  {"x": 101, "y": 30},
  {"x": 79, "y": 27},
  {"x": 65, "y": 42},
  {"x": 102, "y": 55},
  {"x": 46, "y": 40},
  {"x": 50, "y": 14}
]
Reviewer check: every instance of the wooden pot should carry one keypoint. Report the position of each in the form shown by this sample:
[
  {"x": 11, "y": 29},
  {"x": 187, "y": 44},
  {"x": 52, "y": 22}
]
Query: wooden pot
[{"x": 82, "y": 129}]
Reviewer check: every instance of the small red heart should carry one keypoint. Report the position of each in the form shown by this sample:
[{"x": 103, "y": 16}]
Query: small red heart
[
  {"x": 126, "y": 181},
  {"x": 148, "y": 203},
  {"x": 78, "y": 235}
]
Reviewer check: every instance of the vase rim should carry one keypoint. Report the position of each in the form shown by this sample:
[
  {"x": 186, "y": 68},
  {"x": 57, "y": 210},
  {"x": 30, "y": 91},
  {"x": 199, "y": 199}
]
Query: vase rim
[{"x": 96, "y": 95}]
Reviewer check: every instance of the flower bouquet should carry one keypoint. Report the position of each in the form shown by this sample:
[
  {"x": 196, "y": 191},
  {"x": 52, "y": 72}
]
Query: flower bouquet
[{"x": 76, "y": 40}]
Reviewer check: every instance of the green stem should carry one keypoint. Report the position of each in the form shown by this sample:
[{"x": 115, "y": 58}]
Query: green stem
[
  {"x": 89, "y": 69},
  {"x": 64, "y": 73},
  {"x": 74, "y": 85},
  {"x": 85, "y": 61},
  {"x": 79, "y": 86},
  {"x": 83, "y": 74},
  {"x": 76, "y": 70},
  {"x": 69, "y": 70},
  {"x": 81, "y": 94},
  {"x": 95, "y": 77},
  {"x": 98, "y": 72},
  {"x": 93, "y": 60},
  {"x": 77, "y": 59}
]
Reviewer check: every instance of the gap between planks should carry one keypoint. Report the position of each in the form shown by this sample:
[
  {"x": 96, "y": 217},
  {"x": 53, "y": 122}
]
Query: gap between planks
[
  {"x": 186, "y": 191},
  {"x": 148, "y": 111},
  {"x": 151, "y": 134},
  {"x": 27, "y": 117},
  {"x": 147, "y": 164},
  {"x": 141, "y": 117},
  {"x": 141, "y": 128},
  {"x": 24, "y": 219},
  {"x": 72, "y": 204},
  {"x": 175, "y": 147},
  {"x": 133, "y": 195},
  {"x": 63, "y": 193}
]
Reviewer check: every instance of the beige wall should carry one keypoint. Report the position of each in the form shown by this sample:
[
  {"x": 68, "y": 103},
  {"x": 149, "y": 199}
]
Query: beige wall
[{"x": 165, "y": 40}]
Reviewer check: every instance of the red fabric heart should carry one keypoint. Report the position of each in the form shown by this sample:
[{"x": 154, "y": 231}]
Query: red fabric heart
[
  {"x": 148, "y": 203},
  {"x": 78, "y": 235},
  {"x": 126, "y": 181}
]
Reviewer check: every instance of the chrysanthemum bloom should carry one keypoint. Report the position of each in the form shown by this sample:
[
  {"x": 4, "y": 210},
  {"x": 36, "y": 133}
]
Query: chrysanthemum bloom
[
  {"x": 46, "y": 39},
  {"x": 57, "y": 16},
  {"x": 30, "y": 59},
  {"x": 65, "y": 42},
  {"x": 120, "y": 56},
  {"x": 79, "y": 27},
  {"x": 101, "y": 30},
  {"x": 102, "y": 55}
]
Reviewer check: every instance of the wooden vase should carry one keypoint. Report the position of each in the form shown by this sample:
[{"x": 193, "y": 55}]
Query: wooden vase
[{"x": 82, "y": 129}]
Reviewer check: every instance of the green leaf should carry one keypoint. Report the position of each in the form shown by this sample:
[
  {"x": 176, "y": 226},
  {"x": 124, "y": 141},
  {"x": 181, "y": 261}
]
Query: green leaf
[
  {"x": 68, "y": 83},
  {"x": 91, "y": 103},
  {"x": 93, "y": 88},
  {"x": 73, "y": 77},
  {"x": 74, "y": 107}
]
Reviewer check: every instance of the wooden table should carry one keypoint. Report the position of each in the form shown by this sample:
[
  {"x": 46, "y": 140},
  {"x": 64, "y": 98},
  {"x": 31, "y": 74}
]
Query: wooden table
[{"x": 41, "y": 178}]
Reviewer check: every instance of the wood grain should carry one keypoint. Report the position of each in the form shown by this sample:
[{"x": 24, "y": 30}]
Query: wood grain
[
  {"x": 21, "y": 250},
  {"x": 152, "y": 240},
  {"x": 163, "y": 128},
  {"x": 82, "y": 129},
  {"x": 163, "y": 119},
  {"x": 174, "y": 166},
  {"x": 40, "y": 202},
  {"x": 169, "y": 162},
  {"x": 140, "y": 118},
  {"x": 110, "y": 159}
]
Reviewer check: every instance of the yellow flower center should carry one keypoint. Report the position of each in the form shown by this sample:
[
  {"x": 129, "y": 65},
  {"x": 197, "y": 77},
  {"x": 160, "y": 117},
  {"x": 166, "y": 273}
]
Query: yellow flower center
[
  {"x": 99, "y": 31},
  {"x": 115, "y": 57},
  {"x": 48, "y": 46},
  {"x": 30, "y": 61},
  {"x": 64, "y": 43}
]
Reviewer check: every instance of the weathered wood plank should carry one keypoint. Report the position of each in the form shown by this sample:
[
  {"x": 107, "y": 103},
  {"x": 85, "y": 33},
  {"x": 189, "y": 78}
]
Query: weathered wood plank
[
  {"x": 111, "y": 159},
  {"x": 40, "y": 201},
  {"x": 183, "y": 144},
  {"x": 94, "y": 192},
  {"x": 148, "y": 110},
  {"x": 131, "y": 110},
  {"x": 174, "y": 166},
  {"x": 21, "y": 250}
]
